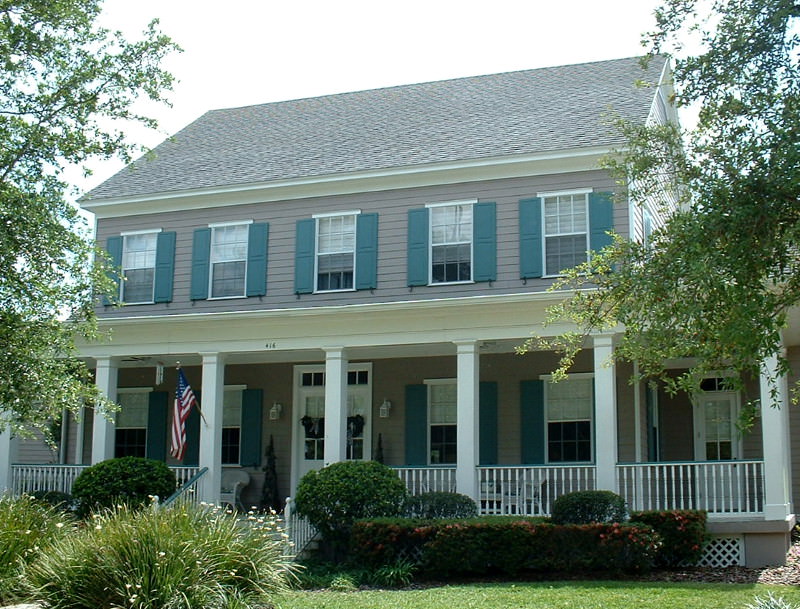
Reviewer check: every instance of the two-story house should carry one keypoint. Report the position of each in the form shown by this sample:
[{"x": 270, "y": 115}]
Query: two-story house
[{"x": 349, "y": 276}]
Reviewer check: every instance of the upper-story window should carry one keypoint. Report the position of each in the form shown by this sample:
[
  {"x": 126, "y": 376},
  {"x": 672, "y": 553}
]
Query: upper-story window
[
  {"x": 451, "y": 242},
  {"x": 336, "y": 247},
  {"x": 228, "y": 260},
  {"x": 138, "y": 267},
  {"x": 565, "y": 231}
]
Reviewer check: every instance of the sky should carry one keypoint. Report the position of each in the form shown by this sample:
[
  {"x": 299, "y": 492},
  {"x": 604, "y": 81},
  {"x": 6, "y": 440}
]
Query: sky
[{"x": 243, "y": 52}]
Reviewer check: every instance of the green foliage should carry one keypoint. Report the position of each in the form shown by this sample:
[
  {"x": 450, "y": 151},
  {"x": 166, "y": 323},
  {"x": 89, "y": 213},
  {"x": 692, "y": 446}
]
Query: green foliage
[
  {"x": 183, "y": 557},
  {"x": 57, "y": 499},
  {"x": 770, "y": 602},
  {"x": 683, "y": 535},
  {"x": 27, "y": 527},
  {"x": 334, "y": 497},
  {"x": 129, "y": 480},
  {"x": 66, "y": 88},
  {"x": 440, "y": 504},
  {"x": 717, "y": 279},
  {"x": 396, "y": 575},
  {"x": 584, "y": 507}
]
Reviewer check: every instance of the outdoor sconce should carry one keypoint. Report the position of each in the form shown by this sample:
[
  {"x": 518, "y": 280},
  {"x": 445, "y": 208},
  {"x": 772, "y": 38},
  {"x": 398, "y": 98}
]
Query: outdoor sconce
[
  {"x": 383, "y": 411},
  {"x": 275, "y": 411}
]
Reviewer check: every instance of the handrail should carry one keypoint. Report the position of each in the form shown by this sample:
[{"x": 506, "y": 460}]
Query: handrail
[{"x": 189, "y": 483}]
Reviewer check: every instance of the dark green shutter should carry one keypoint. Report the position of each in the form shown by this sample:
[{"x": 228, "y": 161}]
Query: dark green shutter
[
  {"x": 418, "y": 231},
  {"x": 530, "y": 238},
  {"x": 201, "y": 259},
  {"x": 601, "y": 219},
  {"x": 250, "y": 432},
  {"x": 157, "y": 409},
  {"x": 258, "y": 237},
  {"x": 165, "y": 266},
  {"x": 416, "y": 425},
  {"x": 366, "y": 251},
  {"x": 532, "y": 430},
  {"x": 305, "y": 248},
  {"x": 484, "y": 226},
  {"x": 114, "y": 249},
  {"x": 192, "y": 454},
  {"x": 488, "y": 423}
]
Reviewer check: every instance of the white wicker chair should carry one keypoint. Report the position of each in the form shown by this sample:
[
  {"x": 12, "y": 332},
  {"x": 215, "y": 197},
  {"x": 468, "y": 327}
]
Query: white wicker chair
[{"x": 233, "y": 481}]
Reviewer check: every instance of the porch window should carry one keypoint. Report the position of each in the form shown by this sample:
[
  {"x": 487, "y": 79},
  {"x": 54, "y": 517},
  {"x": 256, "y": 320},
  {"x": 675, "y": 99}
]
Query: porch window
[
  {"x": 569, "y": 419},
  {"x": 130, "y": 434},
  {"x": 231, "y": 425},
  {"x": 336, "y": 242},
  {"x": 566, "y": 238},
  {"x": 451, "y": 242},
  {"x": 138, "y": 267},
  {"x": 442, "y": 422},
  {"x": 228, "y": 260}
]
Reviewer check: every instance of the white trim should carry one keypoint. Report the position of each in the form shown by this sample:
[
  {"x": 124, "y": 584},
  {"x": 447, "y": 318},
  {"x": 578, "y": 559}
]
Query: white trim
[
  {"x": 431, "y": 245},
  {"x": 317, "y": 254},
  {"x": 335, "y": 214},
  {"x": 563, "y": 193},
  {"x": 231, "y": 223},
  {"x": 451, "y": 203},
  {"x": 433, "y": 383},
  {"x": 234, "y": 387},
  {"x": 147, "y": 231},
  {"x": 585, "y": 193}
]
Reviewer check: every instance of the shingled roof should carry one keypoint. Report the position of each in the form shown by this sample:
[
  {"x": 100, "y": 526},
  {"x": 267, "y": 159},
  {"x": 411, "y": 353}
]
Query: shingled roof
[{"x": 515, "y": 113}]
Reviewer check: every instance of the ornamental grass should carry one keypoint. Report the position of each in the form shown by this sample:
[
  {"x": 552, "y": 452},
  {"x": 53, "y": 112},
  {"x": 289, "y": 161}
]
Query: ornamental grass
[{"x": 180, "y": 558}]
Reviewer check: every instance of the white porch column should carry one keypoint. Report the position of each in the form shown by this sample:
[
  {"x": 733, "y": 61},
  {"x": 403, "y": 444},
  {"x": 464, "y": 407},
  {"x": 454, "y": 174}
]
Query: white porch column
[
  {"x": 8, "y": 452},
  {"x": 467, "y": 419},
  {"x": 775, "y": 438},
  {"x": 335, "y": 405},
  {"x": 212, "y": 387},
  {"x": 103, "y": 427},
  {"x": 605, "y": 408}
]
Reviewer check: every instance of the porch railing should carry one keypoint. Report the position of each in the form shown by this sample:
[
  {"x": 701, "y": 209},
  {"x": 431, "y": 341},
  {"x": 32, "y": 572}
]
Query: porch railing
[
  {"x": 529, "y": 490},
  {"x": 427, "y": 479},
  {"x": 299, "y": 531},
  {"x": 719, "y": 487}
]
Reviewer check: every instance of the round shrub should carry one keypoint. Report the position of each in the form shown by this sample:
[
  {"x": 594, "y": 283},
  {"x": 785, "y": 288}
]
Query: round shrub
[
  {"x": 440, "y": 505},
  {"x": 334, "y": 497},
  {"x": 585, "y": 507},
  {"x": 127, "y": 480}
]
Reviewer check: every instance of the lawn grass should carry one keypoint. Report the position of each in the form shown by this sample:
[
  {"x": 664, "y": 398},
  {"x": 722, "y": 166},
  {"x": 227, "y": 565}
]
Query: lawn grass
[{"x": 545, "y": 595}]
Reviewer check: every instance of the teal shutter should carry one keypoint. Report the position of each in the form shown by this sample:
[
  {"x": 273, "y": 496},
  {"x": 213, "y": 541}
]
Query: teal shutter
[
  {"x": 258, "y": 236},
  {"x": 416, "y": 425},
  {"x": 114, "y": 249},
  {"x": 165, "y": 266},
  {"x": 192, "y": 454},
  {"x": 418, "y": 265},
  {"x": 601, "y": 219},
  {"x": 367, "y": 251},
  {"x": 488, "y": 423},
  {"x": 530, "y": 238},
  {"x": 201, "y": 259},
  {"x": 532, "y": 432},
  {"x": 250, "y": 432},
  {"x": 305, "y": 249},
  {"x": 157, "y": 409},
  {"x": 484, "y": 226}
]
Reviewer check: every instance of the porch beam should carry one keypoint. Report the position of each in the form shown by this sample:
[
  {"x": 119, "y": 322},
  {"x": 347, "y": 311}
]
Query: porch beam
[
  {"x": 335, "y": 405},
  {"x": 605, "y": 400},
  {"x": 212, "y": 386},
  {"x": 776, "y": 442},
  {"x": 467, "y": 417},
  {"x": 103, "y": 427}
]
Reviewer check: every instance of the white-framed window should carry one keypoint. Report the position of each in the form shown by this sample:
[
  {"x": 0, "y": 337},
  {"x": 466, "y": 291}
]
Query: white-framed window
[
  {"x": 228, "y": 260},
  {"x": 569, "y": 410},
  {"x": 336, "y": 246},
  {"x": 442, "y": 430},
  {"x": 451, "y": 241},
  {"x": 566, "y": 236},
  {"x": 130, "y": 429},
  {"x": 232, "y": 424},
  {"x": 138, "y": 266}
]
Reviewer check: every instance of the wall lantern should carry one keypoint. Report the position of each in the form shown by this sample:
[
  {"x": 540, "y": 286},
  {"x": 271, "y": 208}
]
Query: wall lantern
[
  {"x": 386, "y": 407},
  {"x": 275, "y": 411}
]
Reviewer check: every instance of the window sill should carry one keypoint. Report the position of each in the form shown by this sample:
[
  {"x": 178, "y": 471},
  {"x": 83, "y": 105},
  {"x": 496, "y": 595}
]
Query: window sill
[
  {"x": 438, "y": 283},
  {"x": 334, "y": 291},
  {"x": 226, "y": 297},
  {"x": 144, "y": 302}
]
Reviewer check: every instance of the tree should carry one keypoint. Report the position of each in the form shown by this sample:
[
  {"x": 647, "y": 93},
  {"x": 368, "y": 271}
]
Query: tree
[
  {"x": 65, "y": 86},
  {"x": 717, "y": 280}
]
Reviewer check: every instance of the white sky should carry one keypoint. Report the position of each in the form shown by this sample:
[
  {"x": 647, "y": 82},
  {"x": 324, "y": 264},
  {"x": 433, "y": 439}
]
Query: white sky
[{"x": 242, "y": 52}]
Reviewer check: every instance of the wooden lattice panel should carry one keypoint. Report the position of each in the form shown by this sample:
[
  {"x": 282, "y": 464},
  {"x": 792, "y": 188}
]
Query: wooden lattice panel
[{"x": 723, "y": 552}]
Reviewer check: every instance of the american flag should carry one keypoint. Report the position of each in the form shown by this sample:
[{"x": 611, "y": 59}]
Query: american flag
[{"x": 185, "y": 400}]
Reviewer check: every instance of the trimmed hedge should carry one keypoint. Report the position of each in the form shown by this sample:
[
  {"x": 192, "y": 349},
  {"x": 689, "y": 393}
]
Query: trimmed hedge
[
  {"x": 584, "y": 507},
  {"x": 507, "y": 545},
  {"x": 683, "y": 535},
  {"x": 440, "y": 504}
]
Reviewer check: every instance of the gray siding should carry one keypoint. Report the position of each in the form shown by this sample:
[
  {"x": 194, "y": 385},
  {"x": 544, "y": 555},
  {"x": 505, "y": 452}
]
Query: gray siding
[{"x": 392, "y": 207}]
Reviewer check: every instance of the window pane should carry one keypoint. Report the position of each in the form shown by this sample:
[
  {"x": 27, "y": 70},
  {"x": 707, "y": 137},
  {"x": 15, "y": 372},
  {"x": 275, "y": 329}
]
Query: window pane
[
  {"x": 228, "y": 279},
  {"x": 336, "y": 234},
  {"x": 335, "y": 272},
  {"x": 443, "y": 444},
  {"x": 443, "y": 403},
  {"x": 230, "y": 445},
  {"x": 138, "y": 264},
  {"x": 229, "y": 243},
  {"x": 138, "y": 285},
  {"x": 133, "y": 409},
  {"x": 130, "y": 442},
  {"x": 564, "y": 252},
  {"x": 451, "y": 263}
]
